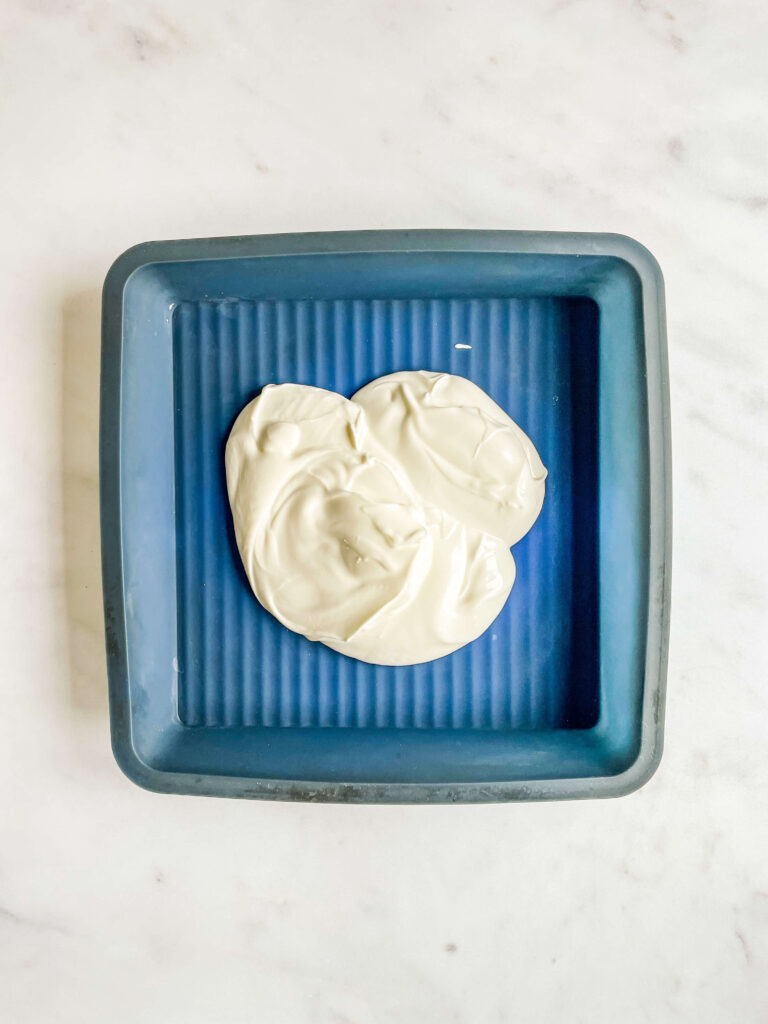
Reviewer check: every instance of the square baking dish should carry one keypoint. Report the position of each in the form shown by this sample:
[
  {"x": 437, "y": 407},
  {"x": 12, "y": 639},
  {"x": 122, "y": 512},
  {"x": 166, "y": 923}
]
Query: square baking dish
[{"x": 563, "y": 695}]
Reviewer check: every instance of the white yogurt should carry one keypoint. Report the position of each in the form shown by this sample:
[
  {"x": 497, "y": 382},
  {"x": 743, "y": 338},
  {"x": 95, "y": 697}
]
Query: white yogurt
[{"x": 381, "y": 526}]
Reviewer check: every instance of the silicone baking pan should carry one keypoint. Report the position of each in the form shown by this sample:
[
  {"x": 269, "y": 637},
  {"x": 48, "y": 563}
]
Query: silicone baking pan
[{"x": 563, "y": 695}]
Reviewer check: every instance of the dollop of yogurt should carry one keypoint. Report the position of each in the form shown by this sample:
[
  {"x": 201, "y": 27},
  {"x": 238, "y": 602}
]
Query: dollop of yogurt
[{"x": 381, "y": 525}]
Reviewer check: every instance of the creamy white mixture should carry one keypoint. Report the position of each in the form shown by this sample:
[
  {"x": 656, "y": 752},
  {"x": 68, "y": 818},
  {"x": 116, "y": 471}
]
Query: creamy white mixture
[{"x": 381, "y": 525}]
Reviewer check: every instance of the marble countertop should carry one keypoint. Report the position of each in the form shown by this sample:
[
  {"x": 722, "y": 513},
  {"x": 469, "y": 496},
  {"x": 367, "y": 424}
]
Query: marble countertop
[{"x": 122, "y": 122}]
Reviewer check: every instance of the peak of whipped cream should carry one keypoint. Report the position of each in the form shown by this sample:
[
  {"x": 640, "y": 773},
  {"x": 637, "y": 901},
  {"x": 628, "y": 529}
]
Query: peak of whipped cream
[{"x": 381, "y": 525}]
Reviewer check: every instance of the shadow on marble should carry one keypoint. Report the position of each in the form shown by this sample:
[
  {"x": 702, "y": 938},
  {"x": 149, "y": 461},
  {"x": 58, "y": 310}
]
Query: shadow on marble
[{"x": 81, "y": 339}]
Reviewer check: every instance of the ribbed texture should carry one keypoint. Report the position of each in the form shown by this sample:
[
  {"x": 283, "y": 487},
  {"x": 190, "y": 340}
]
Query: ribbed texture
[{"x": 238, "y": 666}]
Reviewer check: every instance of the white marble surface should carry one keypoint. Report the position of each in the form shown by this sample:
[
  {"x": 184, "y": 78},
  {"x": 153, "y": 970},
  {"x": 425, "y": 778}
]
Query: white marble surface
[{"x": 125, "y": 121}]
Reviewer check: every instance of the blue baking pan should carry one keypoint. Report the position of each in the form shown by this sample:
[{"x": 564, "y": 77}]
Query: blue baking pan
[{"x": 563, "y": 695}]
